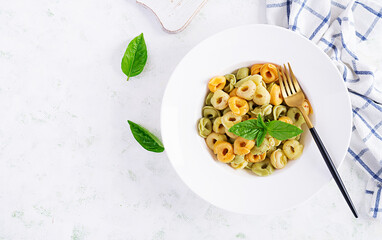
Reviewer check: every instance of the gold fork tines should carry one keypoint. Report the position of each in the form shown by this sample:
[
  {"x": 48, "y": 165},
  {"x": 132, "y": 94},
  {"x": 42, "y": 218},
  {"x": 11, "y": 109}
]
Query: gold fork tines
[{"x": 291, "y": 91}]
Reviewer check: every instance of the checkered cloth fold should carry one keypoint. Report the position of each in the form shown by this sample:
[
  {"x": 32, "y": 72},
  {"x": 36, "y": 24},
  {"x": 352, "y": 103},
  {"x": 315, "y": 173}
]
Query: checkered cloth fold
[{"x": 337, "y": 27}]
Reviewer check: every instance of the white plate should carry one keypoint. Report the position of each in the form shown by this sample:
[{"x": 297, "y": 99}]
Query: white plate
[{"x": 238, "y": 190}]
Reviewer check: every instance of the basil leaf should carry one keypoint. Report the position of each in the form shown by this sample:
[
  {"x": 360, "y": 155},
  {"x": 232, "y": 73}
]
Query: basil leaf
[
  {"x": 282, "y": 131},
  {"x": 248, "y": 129},
  {"x": 135, "y": 57},
  {"x": 261, "y": 122},
  {"x": 145, "y": 138},
  {"x": 260, "y": 138}
]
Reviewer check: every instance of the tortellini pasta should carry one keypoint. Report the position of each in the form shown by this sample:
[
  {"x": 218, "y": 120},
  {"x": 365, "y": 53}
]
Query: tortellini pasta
[
  {"x": 238, "y": 106},
  {"x": 269, "y": 73},
  {"x": 230, "y": 84},
  {"x": 229, "y": 119},
  {"x": 224, "y": 151},
  {"x": 216, "y": 83},
  {"x": 278, "y": 111},
  {"x": 233, "y": 93},
  {"x": 296, "y": 116},
  {"x": 263, "y": 110},
  {"x": 210, "y": 112},
  {"x": 263, "y": 168},
  {"x": 264, "y": 146},
  {"x": 242, "y": 73},
  {"x": 213, "y": 138},
  {"x": 205, "y": 127},
  {"x": 306, "y": 106},
  {"x": 261, "y": 96},
  {"x": 220, "y": 100},
  {"x": 255, "y": 69},
  {"x": 246, "y": 90},
  {"x": 208, "y": 98},
  {"x": 276, "y": 96},
  {"x": 255, "y": 158},
  {"x": 239, "y": 162},
  {"x": 292, "y": 149},
  {"x": 218, "y": 126},
  {"x": 278, "y": 159},
  {"x": 243, "y": 146},
  {"x": 240, "y": 96},
  {"x": 256, "y": 79}
]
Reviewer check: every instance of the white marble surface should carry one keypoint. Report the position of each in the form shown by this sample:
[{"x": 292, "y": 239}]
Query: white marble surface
[{"x": 69, "y": 166}]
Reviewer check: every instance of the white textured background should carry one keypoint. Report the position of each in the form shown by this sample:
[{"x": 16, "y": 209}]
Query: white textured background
[{"x": 69, "y": 166}]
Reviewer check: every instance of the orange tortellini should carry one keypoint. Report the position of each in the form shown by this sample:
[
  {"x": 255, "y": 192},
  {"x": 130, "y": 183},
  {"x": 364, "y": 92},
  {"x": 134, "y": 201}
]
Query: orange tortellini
[
  {"x": 238, "y": 106},
  {"x": 276, "y": 96},
  {"x": 240, "y": 96},
  {"x": 243, "y": 146},
  {"x": 255, "y": 69},
  {"x": 217, "y": 83},
  {"x": 269, "y": 73},
  {"x": 224, "y": 151}
]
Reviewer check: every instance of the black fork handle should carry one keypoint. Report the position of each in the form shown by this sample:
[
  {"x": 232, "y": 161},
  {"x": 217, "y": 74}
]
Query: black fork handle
[{"x": 333, "y": 170}]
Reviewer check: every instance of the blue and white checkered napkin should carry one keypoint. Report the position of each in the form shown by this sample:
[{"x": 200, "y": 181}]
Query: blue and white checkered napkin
[{"x": 337, "y": 27}]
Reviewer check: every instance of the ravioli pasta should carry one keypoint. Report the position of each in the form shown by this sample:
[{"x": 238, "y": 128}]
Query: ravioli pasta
[{"x": 242, "y": 95}]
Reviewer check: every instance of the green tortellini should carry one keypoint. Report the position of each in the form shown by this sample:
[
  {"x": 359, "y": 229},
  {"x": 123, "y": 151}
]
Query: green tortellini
[
  {"x": 279, "y": 110},
  {"x": 228, "y": 88},
  {"x": 262, "y": 110},
  {"x": 204, "y": 127},
  {"x": 210, "y": 112},
  {"x": 208, "y": 98},
  {"x": 239, "y": 162},
  {"x": 296, "y": 116},
  {"x": 263, "y": 168},
  {"x": 251, "y": 105},
  {"x": 226, "y": 110},
  {"x": 231, "y": 81},
  {"x": 265, "y": 146},
  {"x": 242, "y": 73}
]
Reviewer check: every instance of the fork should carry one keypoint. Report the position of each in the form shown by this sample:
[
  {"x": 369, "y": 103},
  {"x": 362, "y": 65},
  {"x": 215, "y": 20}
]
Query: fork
[{"x": 294, "y": 97}]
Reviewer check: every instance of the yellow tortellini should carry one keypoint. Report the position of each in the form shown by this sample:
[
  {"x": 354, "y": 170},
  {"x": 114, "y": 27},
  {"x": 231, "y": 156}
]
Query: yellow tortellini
[
  {"x": 239, "y": 162},
  {"x": 213, "y": 138},
  {"x": 240, "y": 96},
  {"x": 292, "y": 149},
  {"x": 261, "y": 96},
  {"x": 246, "y": 90},
  {"x": 263, "y": 168},
  {"x": 229, "y": 119},
  {"x": 218, "y": 126},
  {"x": 220, "y": 100},
  {"x": 205, "y": 127},
  {"x": 210, "y": 112},
  {"x": 278, "y": 159}
]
